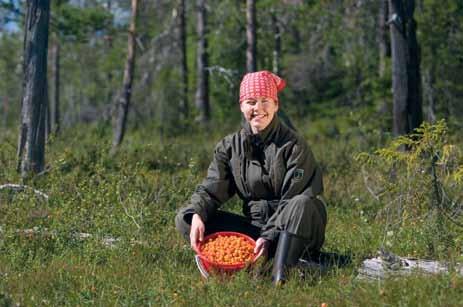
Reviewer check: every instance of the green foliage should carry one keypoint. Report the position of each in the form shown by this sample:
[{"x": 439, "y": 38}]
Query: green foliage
[
  {"x": 77, "y": 24},
  {"x": 329, "y": 57},
  {"x": 10, "y": 81},
  {"x": 440, "y": 36},
  {"x": 60, "y": 253},
  {"x": 416, "y": 178}
]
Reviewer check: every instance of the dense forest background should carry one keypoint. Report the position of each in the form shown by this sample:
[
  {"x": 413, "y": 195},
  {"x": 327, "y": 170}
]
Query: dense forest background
[
  {"x": 110, "y": 111},
  {"x": 335, "y": 56}
]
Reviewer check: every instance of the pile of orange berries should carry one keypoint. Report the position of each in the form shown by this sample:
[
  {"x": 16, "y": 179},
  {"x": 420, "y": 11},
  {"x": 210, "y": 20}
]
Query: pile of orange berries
[{"x": 228, "y": 250}]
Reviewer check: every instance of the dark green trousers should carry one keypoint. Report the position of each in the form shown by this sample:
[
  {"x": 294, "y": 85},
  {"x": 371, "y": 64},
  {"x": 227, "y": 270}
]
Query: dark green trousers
[{"x": 303, "y": 216}]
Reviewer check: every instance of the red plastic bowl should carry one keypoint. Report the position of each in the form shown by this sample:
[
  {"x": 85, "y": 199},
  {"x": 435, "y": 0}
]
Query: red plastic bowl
[{"x": 212, "y": 266}]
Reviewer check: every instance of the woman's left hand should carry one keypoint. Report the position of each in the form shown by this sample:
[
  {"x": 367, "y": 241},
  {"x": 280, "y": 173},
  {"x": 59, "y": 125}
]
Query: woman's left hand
[{"x": 261, "y": 247}]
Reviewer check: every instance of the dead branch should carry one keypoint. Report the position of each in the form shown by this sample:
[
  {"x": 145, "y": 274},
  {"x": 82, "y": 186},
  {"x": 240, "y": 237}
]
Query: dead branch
[
  {"x": 369, "y": 189},
  {"x": 20, "y": 188}
]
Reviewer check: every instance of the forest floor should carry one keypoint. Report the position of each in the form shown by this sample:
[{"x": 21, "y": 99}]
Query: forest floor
[{"x": 106, "y": 235}]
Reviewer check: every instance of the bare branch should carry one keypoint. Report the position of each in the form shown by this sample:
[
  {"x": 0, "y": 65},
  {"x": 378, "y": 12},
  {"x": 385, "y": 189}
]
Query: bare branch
[
  {"x": 127, "y": 213},
  {"x": 19, "y": 188},
  {"x": 365, "y": 180}
]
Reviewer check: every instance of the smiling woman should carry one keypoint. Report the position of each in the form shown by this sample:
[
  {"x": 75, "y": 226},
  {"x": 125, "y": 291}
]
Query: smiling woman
[
  {"x": 273, "y": 171},
  {"x": 259, "y": 99},
  {"x": 259, "y": 112}
]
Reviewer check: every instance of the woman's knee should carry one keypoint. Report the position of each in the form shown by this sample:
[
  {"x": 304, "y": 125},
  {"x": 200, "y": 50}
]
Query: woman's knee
[
  {"x": 181, "y": 224},
  {"x": 306, "y": 205},
  {"x": 300, "y": 203}
]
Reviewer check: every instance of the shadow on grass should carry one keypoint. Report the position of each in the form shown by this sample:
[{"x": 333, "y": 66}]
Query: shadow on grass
[
  {"x": 332, "y": 259},
  {"x": 324, "y": 263}
]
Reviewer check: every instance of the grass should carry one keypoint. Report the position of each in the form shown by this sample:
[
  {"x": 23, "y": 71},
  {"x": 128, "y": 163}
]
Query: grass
[{"x": 133, "y": 197}]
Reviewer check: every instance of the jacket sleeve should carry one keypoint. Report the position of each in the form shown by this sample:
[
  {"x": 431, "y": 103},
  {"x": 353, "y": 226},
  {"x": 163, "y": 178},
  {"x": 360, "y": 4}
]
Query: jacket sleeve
[
  {"x": 303, "y": 176},
  {"x": 217, "y": 187}
]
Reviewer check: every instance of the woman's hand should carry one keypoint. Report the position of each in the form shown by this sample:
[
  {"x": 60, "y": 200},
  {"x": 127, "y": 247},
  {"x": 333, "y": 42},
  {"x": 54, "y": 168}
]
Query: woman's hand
[
  {"x": 261, "y": 247},
  {"x": 196, "y": 231}
]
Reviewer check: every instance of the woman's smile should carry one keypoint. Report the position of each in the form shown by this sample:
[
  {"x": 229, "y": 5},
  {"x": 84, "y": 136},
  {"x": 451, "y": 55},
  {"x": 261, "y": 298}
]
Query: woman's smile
[{"x": 258, "y": 116}]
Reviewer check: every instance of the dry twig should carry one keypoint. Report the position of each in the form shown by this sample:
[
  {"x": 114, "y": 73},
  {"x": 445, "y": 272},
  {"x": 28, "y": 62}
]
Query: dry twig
[{"x": 20, "y": 187}]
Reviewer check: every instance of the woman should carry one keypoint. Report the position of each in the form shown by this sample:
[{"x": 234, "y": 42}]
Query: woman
[{"x": 273, "y": 171}]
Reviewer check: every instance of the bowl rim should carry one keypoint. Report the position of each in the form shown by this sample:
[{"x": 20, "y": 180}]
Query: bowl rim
[{"x": 218, "y": 265}]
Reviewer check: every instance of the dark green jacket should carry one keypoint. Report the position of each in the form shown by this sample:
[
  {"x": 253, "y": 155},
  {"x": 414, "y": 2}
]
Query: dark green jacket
[{"x": 265, "y": 170}]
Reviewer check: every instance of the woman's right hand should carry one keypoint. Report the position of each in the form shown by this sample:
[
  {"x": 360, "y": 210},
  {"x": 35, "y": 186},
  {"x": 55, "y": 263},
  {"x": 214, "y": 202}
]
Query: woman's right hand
[{"x": 196, "y": 231}]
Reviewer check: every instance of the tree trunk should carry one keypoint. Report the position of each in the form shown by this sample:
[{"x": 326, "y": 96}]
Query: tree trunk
[
  {"x": 251, "y": 52},
  {"x": 277, "y": 43},
  {"x": 56, "y": 89},
  {"x": 202, "y": 85},
  {"x": 430, "y": 91},
  {"x": 5, "y": 111},
  {"x": 399, "y": 68},
  {"x": 123, "y": 100},
  {"x": 296, "y": 37},
  {"x": 414, "y": 97},
  {"x": 31, "y": 142},
  {"x": 47, "y": 112},
  {"x": 109, "y": 46},
  {"x": 382, "y": 37},
  {"x": 384, "y": 51},
  {"x": 183, "y": 59}
]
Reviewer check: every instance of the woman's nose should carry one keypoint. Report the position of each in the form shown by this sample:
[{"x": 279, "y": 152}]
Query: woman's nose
[{"x": 259, "y": 105}]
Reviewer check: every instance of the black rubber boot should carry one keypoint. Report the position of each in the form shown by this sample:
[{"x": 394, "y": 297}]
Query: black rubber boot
[{"x": 289, "y": 249}]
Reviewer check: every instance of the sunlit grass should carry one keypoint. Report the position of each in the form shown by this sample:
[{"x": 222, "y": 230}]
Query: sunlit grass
[{"x": 133, "y": 197}]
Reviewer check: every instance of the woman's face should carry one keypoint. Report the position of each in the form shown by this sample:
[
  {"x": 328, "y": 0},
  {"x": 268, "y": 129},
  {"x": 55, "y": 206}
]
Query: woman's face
[{"x": 259, "y": 112}]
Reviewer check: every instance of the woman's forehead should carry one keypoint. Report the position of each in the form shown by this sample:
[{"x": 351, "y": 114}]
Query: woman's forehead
[{"x": 261, "y": 98}]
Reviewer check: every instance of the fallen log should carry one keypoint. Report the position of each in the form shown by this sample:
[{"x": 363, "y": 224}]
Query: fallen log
[{"x": 387, "y": 265}]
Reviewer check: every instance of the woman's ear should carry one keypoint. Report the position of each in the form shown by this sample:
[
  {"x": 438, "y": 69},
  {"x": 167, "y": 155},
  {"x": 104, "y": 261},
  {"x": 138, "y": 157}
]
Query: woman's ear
[{"x": 241, "y": 106}]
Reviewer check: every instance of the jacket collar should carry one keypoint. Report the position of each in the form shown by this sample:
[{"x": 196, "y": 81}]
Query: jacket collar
[{"x": 265, "y": 135}]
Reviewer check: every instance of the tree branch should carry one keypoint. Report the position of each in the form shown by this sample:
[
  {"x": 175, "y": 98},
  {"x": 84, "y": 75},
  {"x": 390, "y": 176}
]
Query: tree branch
[
  {"x": 365, "y": 181},
  {"x": 19, "y": 188}
]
